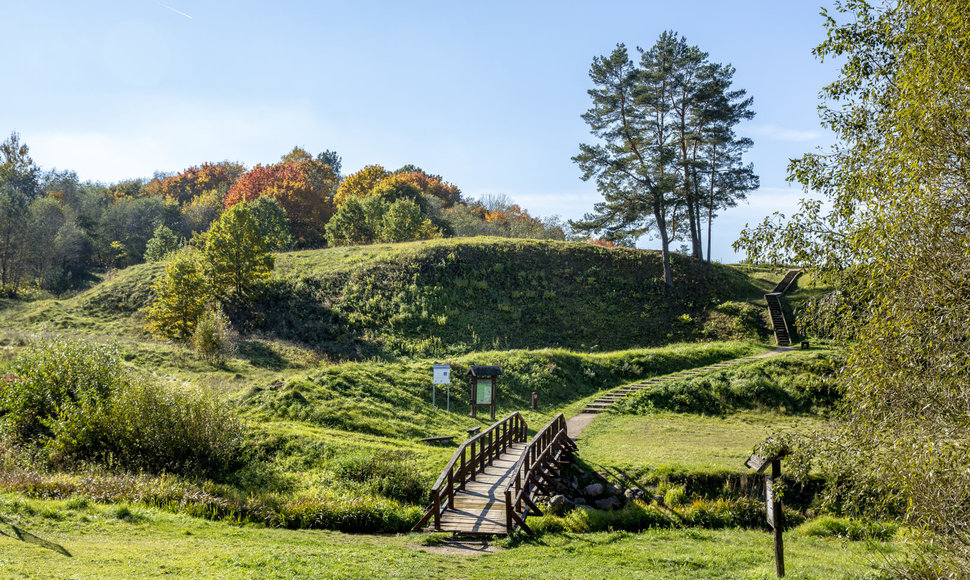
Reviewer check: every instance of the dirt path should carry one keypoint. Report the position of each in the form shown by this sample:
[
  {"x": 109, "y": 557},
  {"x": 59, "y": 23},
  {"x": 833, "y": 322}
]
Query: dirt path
[{"x": 577, "y": 423}]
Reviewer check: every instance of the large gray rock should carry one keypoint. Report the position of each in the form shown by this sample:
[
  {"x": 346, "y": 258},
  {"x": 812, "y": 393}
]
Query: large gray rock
[
  {"x": 608, "y": 503},
  {"x": 593, "y": 490},
  {"x": 559, "y": 504},
  {"x": 612, "y": 490}
]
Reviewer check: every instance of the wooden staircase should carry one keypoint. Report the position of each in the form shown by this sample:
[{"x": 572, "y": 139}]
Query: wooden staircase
[
  {"x": 778, "y": 322},
  {"x": 775, "y": 310}
]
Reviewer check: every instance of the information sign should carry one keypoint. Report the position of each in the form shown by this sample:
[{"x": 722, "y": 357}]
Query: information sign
[
  {"x": 483, "y": 392},
  {"x": 770, "y": 499},
  {"x": 442, "y": 374}
]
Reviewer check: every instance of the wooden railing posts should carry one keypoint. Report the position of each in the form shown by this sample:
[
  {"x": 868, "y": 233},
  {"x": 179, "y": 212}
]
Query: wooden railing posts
[
  {"x": 539, "y": 463},
  {"x": 471, "y": 457}
]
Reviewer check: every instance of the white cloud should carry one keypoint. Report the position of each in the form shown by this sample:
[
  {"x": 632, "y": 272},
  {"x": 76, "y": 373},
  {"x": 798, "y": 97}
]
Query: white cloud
[
  {"x": 169, "y": 135},
  {"x": 776, "y": 133}
]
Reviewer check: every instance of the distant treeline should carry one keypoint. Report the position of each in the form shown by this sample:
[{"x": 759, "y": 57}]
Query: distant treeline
[{"x": 56, "y": 231}]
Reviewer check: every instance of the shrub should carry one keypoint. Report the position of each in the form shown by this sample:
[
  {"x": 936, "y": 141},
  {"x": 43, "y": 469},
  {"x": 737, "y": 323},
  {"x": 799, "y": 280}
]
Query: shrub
[
  {"x": 214, "y": 339},
  {"x": 852, "y": 529},
  {"x": 74, "y": 402},
  {"x": 389, "y": 473}
]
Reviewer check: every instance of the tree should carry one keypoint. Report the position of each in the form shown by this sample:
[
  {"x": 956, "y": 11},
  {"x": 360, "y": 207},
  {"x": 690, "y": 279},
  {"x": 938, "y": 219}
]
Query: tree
[
  {"x": 632, "y": 164},
  {"x": 17, "y": 169},
  {"x": 892, "y": 239},
  {"x": 162, "y": 244},
  {"x": 359, "y": 184},
  {"x": 350, "y": 225},
  {"x": 273, "y": 224},
  {"x": 18, "y": 188},
  {"x": 303, "y": 187},
  {"x": 182, "y": 296},
  {"x": 654, "y": 120},
  {"x": 195, "y": 181},
  {"x": 235, "y": 259},
  {"x": 404, "y": 221}
]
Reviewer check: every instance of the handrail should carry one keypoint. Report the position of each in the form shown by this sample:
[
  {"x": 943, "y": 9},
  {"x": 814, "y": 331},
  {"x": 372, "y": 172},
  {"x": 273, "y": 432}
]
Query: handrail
[
  {"x": 545, "y": 443},
  {"x": 491, "y": 443}
]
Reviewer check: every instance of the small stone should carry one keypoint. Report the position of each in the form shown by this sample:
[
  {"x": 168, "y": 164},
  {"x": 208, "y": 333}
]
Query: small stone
[
  {"x": 612, "y": 489},
  {"x": 593, "y": 490},
  {"x": 579, "y": 501},
  {"x": 634, "y": 493}
]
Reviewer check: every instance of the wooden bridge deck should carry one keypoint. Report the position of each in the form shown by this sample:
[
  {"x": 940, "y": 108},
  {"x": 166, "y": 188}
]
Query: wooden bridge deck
[{"x": 480, "y": 507}]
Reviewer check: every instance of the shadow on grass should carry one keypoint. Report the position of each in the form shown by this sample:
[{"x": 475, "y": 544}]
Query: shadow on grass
[{"x": 261, "y": 356}]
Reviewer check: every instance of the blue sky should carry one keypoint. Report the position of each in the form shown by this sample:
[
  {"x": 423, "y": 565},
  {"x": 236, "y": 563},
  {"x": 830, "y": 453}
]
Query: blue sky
[{"x": 487, "y": 94}]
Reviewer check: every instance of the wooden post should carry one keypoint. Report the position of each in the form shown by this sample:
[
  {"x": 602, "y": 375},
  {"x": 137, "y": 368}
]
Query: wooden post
[
  {"x": 494, "y": 397},
  {"x": 778, "y": 521}
]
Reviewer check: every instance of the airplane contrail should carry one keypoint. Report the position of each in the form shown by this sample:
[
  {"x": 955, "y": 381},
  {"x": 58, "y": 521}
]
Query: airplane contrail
[{"x": 174, "y": 10}]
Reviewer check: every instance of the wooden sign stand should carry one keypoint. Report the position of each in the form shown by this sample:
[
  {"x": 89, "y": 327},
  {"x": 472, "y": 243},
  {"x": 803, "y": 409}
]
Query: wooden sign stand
[
  {"x": 483, "y": 388},
  {"x": 773, "y": 504}
]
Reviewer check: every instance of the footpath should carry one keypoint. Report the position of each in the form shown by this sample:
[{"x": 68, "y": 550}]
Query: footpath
[{"x": 576, "y": 424}]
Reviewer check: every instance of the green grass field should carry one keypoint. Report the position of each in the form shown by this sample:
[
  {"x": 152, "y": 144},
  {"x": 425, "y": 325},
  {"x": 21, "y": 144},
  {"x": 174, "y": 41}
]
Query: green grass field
[
  {"x": 135, "y": 542},
  {"x": 682, "y": 441},
  {"x": 334, "y": 389}
]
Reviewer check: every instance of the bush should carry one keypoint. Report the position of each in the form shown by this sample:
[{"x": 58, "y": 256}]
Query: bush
[
  {"x": 214, "y": 339},
  {"x": 389, "y": 473},
  {"x": 74, "y": 402},
  {"x": 852, "y": 529}
]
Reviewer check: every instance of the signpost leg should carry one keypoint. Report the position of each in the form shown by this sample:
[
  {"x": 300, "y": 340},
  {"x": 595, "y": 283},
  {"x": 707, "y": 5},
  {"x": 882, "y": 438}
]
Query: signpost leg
[
  {"x": 448, "y": 394},
  {"x": 778, "y": 524}
]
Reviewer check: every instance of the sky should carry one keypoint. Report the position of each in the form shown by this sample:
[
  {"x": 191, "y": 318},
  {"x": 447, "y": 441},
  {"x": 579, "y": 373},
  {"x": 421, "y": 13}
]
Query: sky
[{"x": 489, "y": 95}]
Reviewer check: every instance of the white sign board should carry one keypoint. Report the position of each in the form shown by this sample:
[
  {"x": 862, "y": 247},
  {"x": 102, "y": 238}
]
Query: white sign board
[
  {"x": 770, "y": 498},
  {"x": 442, "y": 374}
]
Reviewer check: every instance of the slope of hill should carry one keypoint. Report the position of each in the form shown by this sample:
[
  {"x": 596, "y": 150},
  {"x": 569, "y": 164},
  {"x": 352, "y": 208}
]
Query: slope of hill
[{"x": 454, "y": 296}]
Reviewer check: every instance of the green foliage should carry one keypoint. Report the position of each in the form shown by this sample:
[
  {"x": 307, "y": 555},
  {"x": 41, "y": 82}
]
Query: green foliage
[
  {"x": 349, "y": 225},
  {"x": 890, "y": 238},
  {"x": 387, "y": 473},
  {"x": 272, "y": 223},
  {"x": 392, "y": 399},
  {"x": 181, "y": 296},
  {"x": 162, "y": 244},
  {"x": 791, "y": 384},
  {"x": 73, "y": 402},
  {"x": 850, "y": 529},
  {"x": 404, "y": 222},
  {"x": 235, "y": 259},
  {"x": 214, "y": 338}
]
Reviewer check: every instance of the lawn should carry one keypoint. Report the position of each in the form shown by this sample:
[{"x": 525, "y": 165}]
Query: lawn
[
  {"x": 684, "y": 441},
  {"x": 121, "y": 542}
]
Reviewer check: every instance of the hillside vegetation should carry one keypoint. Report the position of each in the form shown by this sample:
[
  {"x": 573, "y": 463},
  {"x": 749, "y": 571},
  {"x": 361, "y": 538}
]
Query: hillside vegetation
[{"x": 453, "y": 296}]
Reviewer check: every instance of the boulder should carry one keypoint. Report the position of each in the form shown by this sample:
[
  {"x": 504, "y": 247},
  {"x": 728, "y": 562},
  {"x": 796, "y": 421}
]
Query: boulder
[
  {"x": 593, "y": 490},
  {"x": 612, "y": 489},
  {"x": 559, "y": 505},
  {"x": 608, "y": 503}
]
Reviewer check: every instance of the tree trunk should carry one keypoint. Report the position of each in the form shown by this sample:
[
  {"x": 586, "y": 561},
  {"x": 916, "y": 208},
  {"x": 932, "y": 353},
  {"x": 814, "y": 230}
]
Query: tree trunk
[{"x": 658, "y": 215}]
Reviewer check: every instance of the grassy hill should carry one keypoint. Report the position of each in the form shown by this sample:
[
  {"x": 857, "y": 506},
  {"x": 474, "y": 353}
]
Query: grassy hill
[{"x": 454, "y": 296}]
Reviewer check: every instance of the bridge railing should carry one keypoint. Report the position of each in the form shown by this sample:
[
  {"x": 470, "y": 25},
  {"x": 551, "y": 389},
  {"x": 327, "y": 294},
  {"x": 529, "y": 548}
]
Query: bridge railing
[
  {"x": 542, "y": 456},
  {"x": 471, "y": 457}
]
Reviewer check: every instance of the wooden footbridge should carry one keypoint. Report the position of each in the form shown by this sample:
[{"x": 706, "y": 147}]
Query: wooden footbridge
[{"x": 488, "y": 485}]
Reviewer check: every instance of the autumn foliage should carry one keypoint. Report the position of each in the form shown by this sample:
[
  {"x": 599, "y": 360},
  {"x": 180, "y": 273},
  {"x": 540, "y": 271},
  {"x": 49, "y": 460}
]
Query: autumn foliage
[
  {"x": 194, "y": 181},
  {"x": 303, "y": 188},
  {"x": 374, "y": 178}
]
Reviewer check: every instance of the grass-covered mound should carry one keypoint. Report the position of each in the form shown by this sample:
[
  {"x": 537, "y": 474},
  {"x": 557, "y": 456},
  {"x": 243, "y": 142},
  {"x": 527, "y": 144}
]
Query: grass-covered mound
[
  {"x": 450, "y": 297},
  {"x": 802, "y": 382},
  {"x": 394, "y": 398}
]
